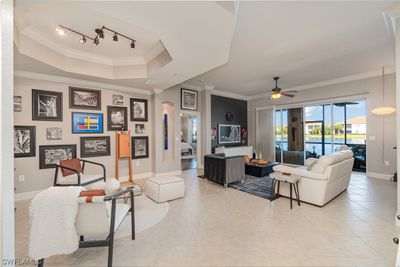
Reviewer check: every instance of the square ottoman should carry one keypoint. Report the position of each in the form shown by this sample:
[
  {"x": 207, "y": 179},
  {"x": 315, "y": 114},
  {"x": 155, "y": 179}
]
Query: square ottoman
[{"x": 164, "y": 188}]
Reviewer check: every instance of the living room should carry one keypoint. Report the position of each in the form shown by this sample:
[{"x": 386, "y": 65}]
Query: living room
[{"x": 199, "y": 133}]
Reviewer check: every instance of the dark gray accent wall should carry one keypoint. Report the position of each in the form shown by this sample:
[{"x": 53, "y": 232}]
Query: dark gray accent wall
[{"x": 219, "y": 107}]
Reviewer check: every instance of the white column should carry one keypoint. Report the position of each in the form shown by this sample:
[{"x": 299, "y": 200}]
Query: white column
[{"x": 6, "y": 133}]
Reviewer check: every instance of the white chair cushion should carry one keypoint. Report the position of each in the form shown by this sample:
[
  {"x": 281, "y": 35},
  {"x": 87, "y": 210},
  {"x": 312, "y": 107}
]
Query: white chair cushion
[{"x": 73, "y": 178}]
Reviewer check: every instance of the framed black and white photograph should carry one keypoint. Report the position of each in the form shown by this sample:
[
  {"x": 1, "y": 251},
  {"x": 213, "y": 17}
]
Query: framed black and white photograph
[
  {"x": 118, "y": 100},
  {"x": 117, "y": 118},
  {"x": 95, "y": 146},
  {"x": 54, "y": 133},
  {"x": 46, "y": 105},
  {"x": 140, "y": 147},
  {"x": 82, "y": 98},
  {"x": 138, "y": 109},
  {"x": 17, "y": 103},
  {"x": 139, "y": 128},
  {"x": 24, "y": 141},
  {"x": 229, "y": 134},
  {"x": 49, "y": 155},
  {"x": 189, "y": 99}
]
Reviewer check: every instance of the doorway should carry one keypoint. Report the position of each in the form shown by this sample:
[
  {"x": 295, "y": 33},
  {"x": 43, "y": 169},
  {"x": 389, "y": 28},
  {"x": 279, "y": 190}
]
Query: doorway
[{"x": 190, "y": 140}]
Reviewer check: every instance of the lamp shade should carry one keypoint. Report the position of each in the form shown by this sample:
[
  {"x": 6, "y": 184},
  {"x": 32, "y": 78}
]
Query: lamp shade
[{"x": 383, "y": 110}]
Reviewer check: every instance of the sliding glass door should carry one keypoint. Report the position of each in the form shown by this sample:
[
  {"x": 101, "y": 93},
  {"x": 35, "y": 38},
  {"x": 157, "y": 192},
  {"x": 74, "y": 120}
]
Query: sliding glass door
[{"x": 324, "y": 129}]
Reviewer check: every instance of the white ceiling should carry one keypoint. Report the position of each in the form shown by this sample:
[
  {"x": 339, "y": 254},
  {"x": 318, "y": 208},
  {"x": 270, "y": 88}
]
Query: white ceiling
[
  {"x": 303, "y": 43},
  {"x": 170, "y": 40}
]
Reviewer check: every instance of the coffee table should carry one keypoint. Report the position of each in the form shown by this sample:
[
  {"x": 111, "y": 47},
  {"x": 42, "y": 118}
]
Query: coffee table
[{"x": 259, "y": 170}]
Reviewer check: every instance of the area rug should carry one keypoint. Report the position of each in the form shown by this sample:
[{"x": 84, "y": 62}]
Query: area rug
[
  {"x": 147, "y": 214},
  {"x": 262, "y": 187}
]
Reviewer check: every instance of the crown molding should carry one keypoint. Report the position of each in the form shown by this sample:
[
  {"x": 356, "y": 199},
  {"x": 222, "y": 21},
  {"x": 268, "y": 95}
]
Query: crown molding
[
  {"x": 78, "y": 82},
  {"x": 230, "y": 95},
  {"x": 345, "y": 79}
]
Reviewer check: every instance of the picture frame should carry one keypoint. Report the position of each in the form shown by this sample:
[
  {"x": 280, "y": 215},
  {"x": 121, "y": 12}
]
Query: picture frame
[
  {"x": 118, "y": 100},
  {"x": 139, "y": 109},
  {"x": 229, "y": 134},
  {"x": 140, "y": 128},
  {"x": 52, "y": 154},
  {"x": 83, "y": 98},
  {"x": 47, "y": 105},
  {"x": 165, "y": 132},
  {"x": 117, "y": 118},
  {"x": 189, "y": 99},
  {"x": 84, "y": 123},
  {"x": 24, "y": 141},
  {"x": 95, "y": 146},
  {"x": 140, "y": 147},
  {"x": 17, "y": 103},
  {"x": 54, "y": 133}
]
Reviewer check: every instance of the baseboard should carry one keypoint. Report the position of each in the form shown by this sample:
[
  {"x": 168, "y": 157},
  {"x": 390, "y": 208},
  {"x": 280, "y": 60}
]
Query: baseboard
[
  {"x": 379, "y": 175},
  {"x": 177, "y": 172},
  {"x": 26, "y": 195}
]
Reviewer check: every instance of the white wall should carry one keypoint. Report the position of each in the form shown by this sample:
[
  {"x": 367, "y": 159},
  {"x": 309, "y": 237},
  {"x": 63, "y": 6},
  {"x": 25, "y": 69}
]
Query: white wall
[
  {"x": 36, "y": 179},
  {"x": 382, "y": 128}
]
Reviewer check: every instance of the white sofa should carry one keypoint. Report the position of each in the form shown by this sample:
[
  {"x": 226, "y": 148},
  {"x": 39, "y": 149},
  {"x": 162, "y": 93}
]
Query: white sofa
[
  {"x": 235, "y": 151},
  {"x": 327, "y": 179}
]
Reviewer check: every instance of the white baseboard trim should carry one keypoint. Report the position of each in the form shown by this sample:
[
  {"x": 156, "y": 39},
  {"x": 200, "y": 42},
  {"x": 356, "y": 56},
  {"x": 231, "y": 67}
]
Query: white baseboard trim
[
  {"x": 177, "y": 172},
  {"x": 379, "y": 175},
  {"x": 26, "y": 195}
]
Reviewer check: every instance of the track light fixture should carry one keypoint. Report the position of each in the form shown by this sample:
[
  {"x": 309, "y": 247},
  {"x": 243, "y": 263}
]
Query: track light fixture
[{"x": 62, "y": 30}]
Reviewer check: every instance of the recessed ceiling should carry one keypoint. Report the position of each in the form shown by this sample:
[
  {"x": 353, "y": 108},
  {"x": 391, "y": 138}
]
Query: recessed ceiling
[
  {"x": 303, "y": 43},
  {"x": 169, "y": 38}
]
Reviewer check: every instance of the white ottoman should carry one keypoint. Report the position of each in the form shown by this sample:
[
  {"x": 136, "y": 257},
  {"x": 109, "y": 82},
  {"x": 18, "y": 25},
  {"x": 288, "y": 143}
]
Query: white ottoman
[{"x": 164, "y": 188}]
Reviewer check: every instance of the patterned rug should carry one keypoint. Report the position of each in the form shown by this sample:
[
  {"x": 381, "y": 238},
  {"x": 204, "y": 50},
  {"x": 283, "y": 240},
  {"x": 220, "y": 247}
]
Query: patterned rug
[{"x": 262, "y": 187}]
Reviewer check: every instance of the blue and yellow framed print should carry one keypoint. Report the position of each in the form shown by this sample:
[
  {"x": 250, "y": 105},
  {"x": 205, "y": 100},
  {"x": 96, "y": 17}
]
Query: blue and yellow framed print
[{"x": 87, "y": 122}]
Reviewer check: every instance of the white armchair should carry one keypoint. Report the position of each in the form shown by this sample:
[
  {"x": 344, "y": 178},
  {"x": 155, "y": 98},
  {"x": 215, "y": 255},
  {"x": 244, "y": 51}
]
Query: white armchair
[{"x": 329, "y": 177}]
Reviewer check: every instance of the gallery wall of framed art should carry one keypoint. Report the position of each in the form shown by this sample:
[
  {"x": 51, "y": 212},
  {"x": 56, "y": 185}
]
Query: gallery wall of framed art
[{"x": 54, "y": 114}]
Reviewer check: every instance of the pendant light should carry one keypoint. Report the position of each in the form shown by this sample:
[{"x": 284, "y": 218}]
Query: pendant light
[{"x": 383, "y": 110}]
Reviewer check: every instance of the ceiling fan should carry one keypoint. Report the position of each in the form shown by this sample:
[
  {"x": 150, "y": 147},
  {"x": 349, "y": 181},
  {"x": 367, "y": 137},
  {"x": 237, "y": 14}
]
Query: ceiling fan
[{"x": 277, "y": 92}]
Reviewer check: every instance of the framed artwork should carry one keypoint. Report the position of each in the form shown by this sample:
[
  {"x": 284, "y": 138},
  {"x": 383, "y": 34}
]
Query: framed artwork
[
  {"x": 229, "y": 134},
  {"x": 95, "y": 146},
  {"x": 165, "y": 129},
  {"x": 17, "y": 103},
  {"x": 24, "y": 141},
  {"x": 46, "y": 105},
  {"x": 117, "y": 118},
  {"x": 138, "y": 109},
  {"x": 140, "y": 147},
  {"x": 54, "y": 133},
  {"x": 49, "y": 155},
  {"x": 81, "y": 98},
  {"x": 118, "y": 100},
  {"x": 139, "y": 128},
  {"x": 83, "y": 122},
  {"x": 189, "y": 99}
]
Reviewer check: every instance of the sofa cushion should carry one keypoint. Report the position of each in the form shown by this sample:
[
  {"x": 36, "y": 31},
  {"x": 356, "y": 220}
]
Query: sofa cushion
[
  {"x": 327, "y": 160},
  {"x": 310, "y": 163}
]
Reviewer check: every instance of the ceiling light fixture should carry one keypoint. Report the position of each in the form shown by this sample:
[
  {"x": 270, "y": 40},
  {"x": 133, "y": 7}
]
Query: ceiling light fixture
[
  {"x": 62, "y": 30},
  {"x": 276, "y": 95},
  {"x": 383, "y": 110}
]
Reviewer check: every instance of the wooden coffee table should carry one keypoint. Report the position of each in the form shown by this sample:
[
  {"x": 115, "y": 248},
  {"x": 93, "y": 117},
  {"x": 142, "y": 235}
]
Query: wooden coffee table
[{"x": 259, "y": 170}]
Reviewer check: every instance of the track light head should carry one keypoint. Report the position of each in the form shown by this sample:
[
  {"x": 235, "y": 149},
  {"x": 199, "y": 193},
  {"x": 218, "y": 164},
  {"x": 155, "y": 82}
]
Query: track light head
[
  {"x": 96, "y": 40},
  {"x": 133, "y": 44},
  {"x": 83, "y": 39},
  {"x": 100, "y": 33},
  {"x": 61, "y": 31},
  {"x": 115, "y": 37}
]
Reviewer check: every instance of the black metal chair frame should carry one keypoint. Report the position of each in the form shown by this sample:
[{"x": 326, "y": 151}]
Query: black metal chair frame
[
  {"x": 58, "y": 166},
  {"x": 109, "y": 241}
]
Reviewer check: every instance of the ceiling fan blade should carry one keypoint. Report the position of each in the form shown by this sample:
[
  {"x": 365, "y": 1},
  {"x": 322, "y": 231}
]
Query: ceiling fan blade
[
  {"x": 285, "y": 94},
  {"x": 290, "y": 91}
]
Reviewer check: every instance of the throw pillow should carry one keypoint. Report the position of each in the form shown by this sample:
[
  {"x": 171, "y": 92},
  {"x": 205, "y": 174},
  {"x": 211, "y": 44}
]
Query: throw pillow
[{"x": 310, "y": 163}]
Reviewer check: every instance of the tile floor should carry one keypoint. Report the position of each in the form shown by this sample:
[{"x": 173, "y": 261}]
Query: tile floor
[{"x": 213, "y": 226}]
